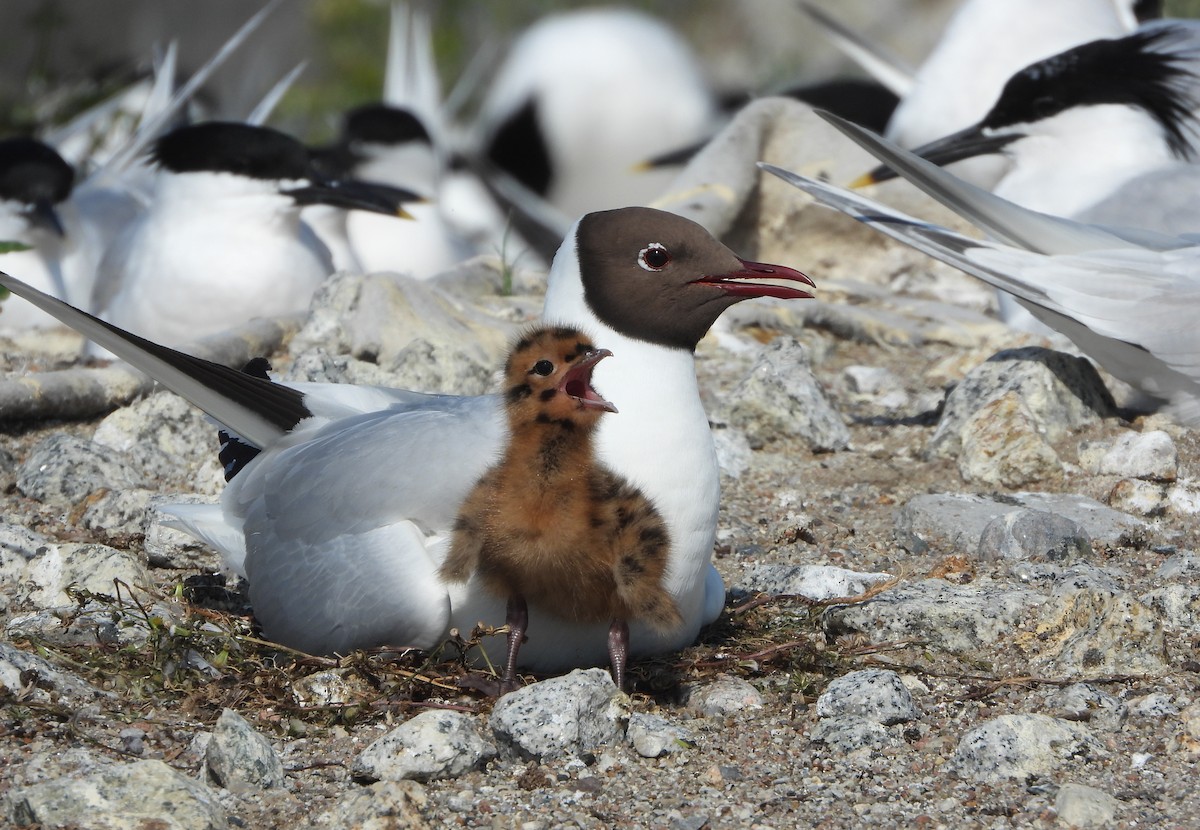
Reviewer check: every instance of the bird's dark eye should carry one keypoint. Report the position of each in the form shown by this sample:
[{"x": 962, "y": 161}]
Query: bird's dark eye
[
  {"x": 654, "y": 257},
  {"x": 543, "y": 368}
]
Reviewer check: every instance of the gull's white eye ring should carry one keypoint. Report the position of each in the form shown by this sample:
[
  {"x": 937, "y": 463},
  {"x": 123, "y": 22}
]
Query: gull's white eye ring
[{"x": 654, "y": 257}]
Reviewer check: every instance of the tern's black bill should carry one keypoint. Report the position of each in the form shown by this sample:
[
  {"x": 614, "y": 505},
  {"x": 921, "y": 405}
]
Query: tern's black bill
[
  {"x": 964, "y": 144},
  {"x": 354, "y": 194}
]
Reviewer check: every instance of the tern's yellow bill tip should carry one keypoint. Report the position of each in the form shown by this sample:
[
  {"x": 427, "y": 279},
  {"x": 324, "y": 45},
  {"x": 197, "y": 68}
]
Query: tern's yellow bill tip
[{"x": 865, "y": 180}]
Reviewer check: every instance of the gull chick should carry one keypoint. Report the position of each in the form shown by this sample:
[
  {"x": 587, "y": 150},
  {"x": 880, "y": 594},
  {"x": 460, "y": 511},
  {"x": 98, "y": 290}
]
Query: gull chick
[{"x": 551, "y": 525}]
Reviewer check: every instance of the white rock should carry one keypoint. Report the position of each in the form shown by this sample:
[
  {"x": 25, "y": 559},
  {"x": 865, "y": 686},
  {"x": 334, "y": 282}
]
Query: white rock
[
  {"x": 238, "y": 758},
  {"x": 724, "y": 696},
  {"x": 563, "y": 716},
  {"x": 1081, "y": 806},
  {"x": 654, "y": 735},
  {"x": 878, "y": 694},
  {"x": 433, "y": 744},
  {"x": 1017, "y": 746},
  {"x": 1147, "y": 455}
]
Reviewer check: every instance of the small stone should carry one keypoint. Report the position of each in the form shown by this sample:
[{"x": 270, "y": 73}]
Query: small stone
[
  {"x": 1145, "y": 455},
  {"x": 238, "y": 758},
  {"x": 333, "y": 687},
  {"x": 726, "y": 695},
  {"x": 654, "y": 735},
  {"x": 851, "y": 733},
  {"x": 1145, "y": 498},
  {"x": 877, "y": 694},
  {"x": 1078, "y": 805},
  {"x": 563, "y": 716},
  {"x": 1155, "y": 705},
  {"x": 1001, "y": 445},
  {"x": 1185, "y": 564},
  {"x": 733, "y": 451},
  {"x": 1033, "y": 534},
  {"x": 96, "y": 568},
  {"x": 386, "y": 805},
  {"x": 431, "y": 745},
  {"x": 1018, "y": 746},
  {"x": 1084, "y": 703},
  {"x": 39, "y": 680}
]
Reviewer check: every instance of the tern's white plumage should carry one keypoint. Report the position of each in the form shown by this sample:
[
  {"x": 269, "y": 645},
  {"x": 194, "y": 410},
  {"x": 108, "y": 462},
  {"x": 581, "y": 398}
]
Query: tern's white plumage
[{"x": 1124, "y": 296}]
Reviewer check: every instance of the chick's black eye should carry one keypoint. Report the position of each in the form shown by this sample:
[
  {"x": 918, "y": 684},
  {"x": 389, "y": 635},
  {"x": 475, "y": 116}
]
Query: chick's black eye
[
  {"x": 543, "y": 368},
  {"x": 654, "y": 257}
]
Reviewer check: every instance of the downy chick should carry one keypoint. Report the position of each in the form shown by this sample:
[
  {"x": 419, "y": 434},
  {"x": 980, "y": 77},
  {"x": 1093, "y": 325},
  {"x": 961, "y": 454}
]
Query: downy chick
[{"x": 550, "y": 525}]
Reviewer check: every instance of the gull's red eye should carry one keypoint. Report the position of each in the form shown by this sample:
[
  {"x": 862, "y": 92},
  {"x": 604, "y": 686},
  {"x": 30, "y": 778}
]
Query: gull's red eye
[{"x": 654, "y": 257}]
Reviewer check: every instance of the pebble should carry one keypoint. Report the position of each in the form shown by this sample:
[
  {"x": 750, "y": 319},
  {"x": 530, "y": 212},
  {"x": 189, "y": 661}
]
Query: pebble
[
  {"x": 781, "y": 397},
  {"x": 560, "y": 717},
  {"x": 1088, "y": 704},
  {"x": 386, "y": 805},
  {"x": 1145, "y": 498},
  {"x": 1146, "y": 455},
  {"x": 726, "y": 695},
  {"x": 432, "y": 744},
  {"x": 877, "y": 694},
  {"x": 1078, "y": 805},
  {"x": 1154, "y": 705},
  {"x": 844, "y": 734},
  {"x": 653, "y": 735},
  {"x": 31, "y": 677},
  {"x": 1018, "y": 746},
  {"x": 127, "y": 797},
  {"x": 239, "y": 758}
]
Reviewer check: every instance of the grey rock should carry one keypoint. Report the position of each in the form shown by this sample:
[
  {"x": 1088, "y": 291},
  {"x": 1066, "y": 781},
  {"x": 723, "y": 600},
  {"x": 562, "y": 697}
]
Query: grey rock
[
  {"x": 18, "y": 546},
  {"x": 733, "y": 451},
  {"x": 1060, "y": 392},
  {"x": 1084, "y": 703},
  {"x": 871, "y": 380},
  {"x": 1145, "y": 498},
  {"x": 563, "y": 716},
  {"x": 954, "y": 523},
  {"x": 117, "y": 513},
  {"x": 1148, "y": 455},
  {"x": 93, "y": 623},
  {"x": 121, "y": 797},
  {"x": 432, "y": 367},
  {"x": 877, "y": 694},
  {"x": 64, "y": 470},
  {"x": 1002, "y": 446},
  {"x": 726, "y": 695},
  {"x": 964, "y": 620},
  {"x": 653, "y": 735},
  {"x": 96, "y": 568},
  {"x": 1078, "y": 805},
  {"x": 165, "y": 438},
  {"x": 433, "y": 744},
  {"x": 1033, "y": 534},
  {"x": 1178, "y": 606},
  {"x": 851, "y": 733},
  {"x": 238, "y": 758},
  {"x": 1088, "y": 626},
  {"x": 8, "y": 470},
  {"x": 333, "y": 687},
  {"x": 1154, "y": 705},
  {"x": 34, "y": 678},
  {"x": 1185, "y": 564},
  {"x": 1018, "y": 746},
  {"x": 780, "y": 397},
  {"x": 812, "y": 581},
  {"x": 386, "y": 805}
]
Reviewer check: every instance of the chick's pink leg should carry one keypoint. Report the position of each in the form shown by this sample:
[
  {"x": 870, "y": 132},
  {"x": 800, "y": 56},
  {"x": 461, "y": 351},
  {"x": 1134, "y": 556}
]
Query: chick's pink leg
[
  {"x": 618, "y": 650},
  {"x": 517, "y": 618}
]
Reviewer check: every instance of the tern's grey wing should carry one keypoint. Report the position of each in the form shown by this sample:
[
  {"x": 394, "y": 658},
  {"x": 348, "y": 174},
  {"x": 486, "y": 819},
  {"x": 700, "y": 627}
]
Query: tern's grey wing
[{"x": 1166, "y": 201}]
